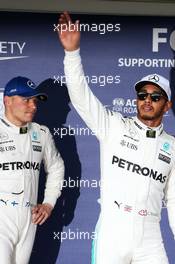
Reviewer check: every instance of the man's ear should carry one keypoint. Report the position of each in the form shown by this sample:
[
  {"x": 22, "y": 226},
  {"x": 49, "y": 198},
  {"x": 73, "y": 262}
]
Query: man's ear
[
  {"x": 168, "y": 105},
  {"x": 7, "y": 100}
]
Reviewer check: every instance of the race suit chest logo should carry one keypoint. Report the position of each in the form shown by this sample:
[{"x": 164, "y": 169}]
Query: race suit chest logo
[
  {"x": 3, "y": 137},
  {"x": 129, "y": 145},
  {"x": 18, "y": 165},
  {"x": 34, "y": 135},
  {"x": 7, "y": 148},
  {"x": 166, "y": 148},
  {"x": 135, "y": 168}
]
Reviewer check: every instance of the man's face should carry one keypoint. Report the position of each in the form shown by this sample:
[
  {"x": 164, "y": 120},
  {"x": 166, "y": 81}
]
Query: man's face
[
  {"x": 21, "y": 110},
  {"x": 148, "y": 110}
]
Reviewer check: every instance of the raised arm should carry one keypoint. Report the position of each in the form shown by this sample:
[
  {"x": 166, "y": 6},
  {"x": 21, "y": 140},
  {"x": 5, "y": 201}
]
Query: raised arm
[
  {"x": 69, "y": 33},
  {"x": 90, "y": 109}
]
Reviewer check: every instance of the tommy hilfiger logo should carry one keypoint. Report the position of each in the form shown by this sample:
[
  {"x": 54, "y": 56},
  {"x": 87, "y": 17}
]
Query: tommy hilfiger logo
[{"x": 124, "y": 207}]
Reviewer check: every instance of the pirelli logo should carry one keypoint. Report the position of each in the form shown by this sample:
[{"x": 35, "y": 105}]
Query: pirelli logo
[{"x": 37, "y": 148}]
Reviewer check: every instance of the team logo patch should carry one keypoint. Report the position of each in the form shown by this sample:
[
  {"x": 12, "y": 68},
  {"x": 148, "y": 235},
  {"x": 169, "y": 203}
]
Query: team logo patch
[
  {"x": 154, "y": 78},
  {"x": 3, "y": 136},
  {"x": 34, "y": 135},
  {"x": 31, "y": 84},
  {"x": 166, "y": 146}
]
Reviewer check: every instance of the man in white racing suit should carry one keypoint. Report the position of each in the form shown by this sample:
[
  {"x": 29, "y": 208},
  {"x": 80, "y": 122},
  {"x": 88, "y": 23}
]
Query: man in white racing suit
[
  {"x": 137, "y": 162},
  {"x": 23, "y": 146}
]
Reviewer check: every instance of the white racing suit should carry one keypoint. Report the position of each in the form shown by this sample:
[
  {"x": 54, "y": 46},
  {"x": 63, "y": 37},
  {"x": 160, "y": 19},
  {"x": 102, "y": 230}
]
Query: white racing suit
[
  {"x": 21, "y": 153},
  {"x": 136, "y": 174}
]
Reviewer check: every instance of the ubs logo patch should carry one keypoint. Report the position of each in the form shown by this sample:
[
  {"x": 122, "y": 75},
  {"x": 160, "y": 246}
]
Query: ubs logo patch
[{"x": 129, "y": 145}]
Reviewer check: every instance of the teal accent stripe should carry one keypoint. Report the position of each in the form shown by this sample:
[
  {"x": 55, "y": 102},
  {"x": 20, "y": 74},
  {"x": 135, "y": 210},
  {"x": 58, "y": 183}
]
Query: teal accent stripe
[
  {"x": 95, "y": 243},
  {"x": 93, "y": 252}
]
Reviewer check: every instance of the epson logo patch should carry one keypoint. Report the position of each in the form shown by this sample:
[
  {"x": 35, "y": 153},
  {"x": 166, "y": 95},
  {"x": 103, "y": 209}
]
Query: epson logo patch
[
  {"x": 37, "y": 148},
  {"x": 164, "y": 158}
]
